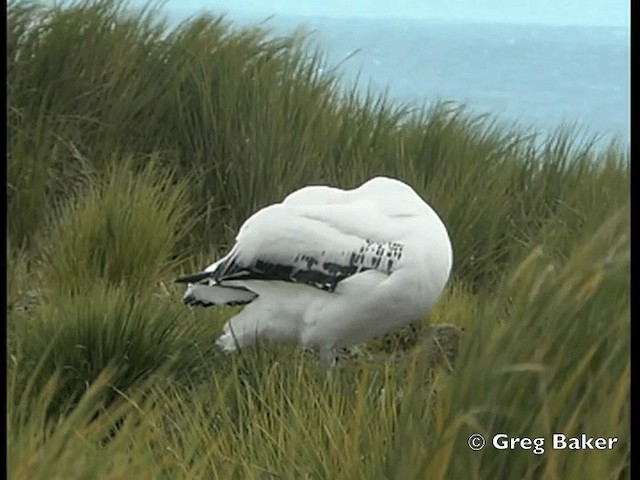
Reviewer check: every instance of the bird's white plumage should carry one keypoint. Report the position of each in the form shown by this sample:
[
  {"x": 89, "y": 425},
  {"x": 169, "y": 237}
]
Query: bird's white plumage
[{"x": 330, "y": 268}]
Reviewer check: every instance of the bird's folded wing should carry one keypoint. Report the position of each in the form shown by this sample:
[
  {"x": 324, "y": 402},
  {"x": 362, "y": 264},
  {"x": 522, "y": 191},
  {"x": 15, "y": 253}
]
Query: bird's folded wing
[{"x": 312, "y": 245}]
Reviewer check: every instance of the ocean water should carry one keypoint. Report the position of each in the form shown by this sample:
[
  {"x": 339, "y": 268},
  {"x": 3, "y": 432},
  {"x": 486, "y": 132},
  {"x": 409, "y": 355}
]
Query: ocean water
[{"x": 537, "y": 76}]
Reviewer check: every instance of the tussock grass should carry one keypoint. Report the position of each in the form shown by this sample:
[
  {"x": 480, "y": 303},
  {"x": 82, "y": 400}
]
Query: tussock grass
[
  {"x": 78, "y": 337},
  {"x": 566, "y": 325},
  {"x": 135, "y": 151},
  {"x": 122, "y": 228}
]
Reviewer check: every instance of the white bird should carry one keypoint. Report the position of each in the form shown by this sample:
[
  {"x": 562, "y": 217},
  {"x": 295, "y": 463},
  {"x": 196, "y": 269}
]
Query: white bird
[{"x": 329, "y": 268}]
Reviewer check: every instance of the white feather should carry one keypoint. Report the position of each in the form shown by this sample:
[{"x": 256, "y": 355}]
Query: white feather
[{"x": 330, "y": 268}]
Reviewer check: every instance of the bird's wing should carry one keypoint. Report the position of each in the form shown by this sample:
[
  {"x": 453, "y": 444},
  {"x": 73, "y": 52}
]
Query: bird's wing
[
  {"x": 313, "y": 245},
  {"x": 202, "y": 292}
]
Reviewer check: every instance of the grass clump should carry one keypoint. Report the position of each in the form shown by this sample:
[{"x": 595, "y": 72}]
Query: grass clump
[
  {"x": 558, "y": 355},
  {"x": 78, "y": 337},
  {"x": 73, "y": 446},
  {"x": 135, "y": 149},
  {"x": 122, "y": 229}
]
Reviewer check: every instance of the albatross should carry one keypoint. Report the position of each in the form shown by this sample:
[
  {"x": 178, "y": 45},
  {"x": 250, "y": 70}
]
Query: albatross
[{"x": 329, "y": 268}]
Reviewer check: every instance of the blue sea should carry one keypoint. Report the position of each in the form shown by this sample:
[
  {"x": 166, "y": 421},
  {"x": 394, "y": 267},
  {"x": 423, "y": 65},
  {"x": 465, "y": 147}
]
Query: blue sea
[{"x": 534, "y": 75}]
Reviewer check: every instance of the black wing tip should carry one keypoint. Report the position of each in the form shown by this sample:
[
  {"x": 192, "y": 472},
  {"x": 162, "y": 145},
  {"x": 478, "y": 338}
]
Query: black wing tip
[
  {"x": 199, "y": 303},
  {"x": 193, "y": 278},
  {"x": 195, "y": 302}
]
